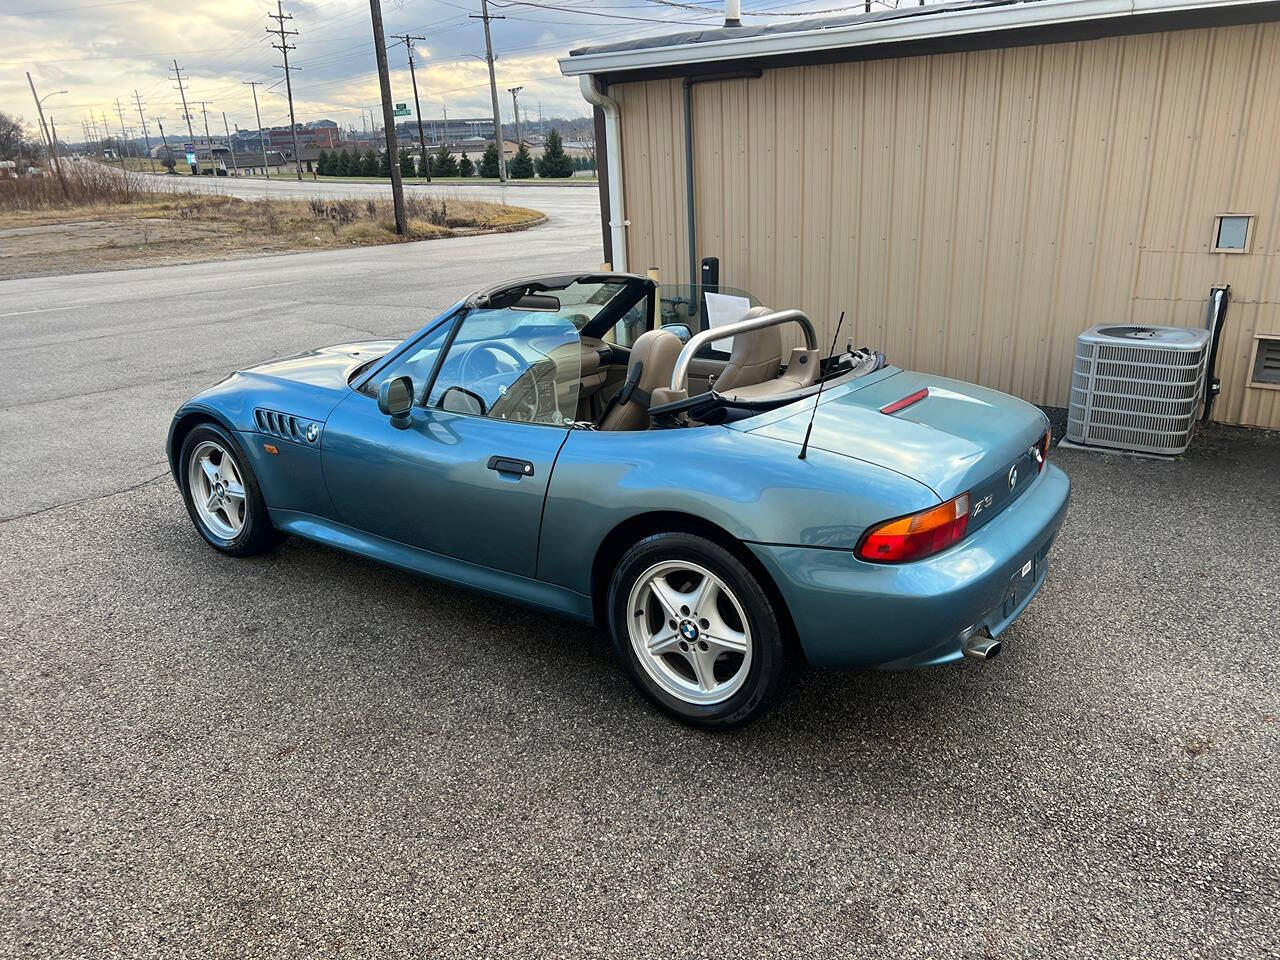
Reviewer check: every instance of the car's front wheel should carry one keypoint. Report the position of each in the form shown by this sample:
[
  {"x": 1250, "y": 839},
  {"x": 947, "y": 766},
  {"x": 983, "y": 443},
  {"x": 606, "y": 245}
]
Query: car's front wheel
[
  {"x": 696, "y": 631},
  {"x": 222, "y": 493}
]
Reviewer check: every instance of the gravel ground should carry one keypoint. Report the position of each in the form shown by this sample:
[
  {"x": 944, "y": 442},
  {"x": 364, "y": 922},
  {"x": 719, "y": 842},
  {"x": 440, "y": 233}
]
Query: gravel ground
[{"x": 309, "y": 755}]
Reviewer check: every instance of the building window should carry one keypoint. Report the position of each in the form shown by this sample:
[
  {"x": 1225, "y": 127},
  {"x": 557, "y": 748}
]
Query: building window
[
  {"x": 1266, "y": 362},
  {"x": 1232, "y": 233}
]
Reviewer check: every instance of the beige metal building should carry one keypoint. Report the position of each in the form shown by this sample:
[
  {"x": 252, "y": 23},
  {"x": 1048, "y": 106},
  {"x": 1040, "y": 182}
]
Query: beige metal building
[{"x": 975, "y": 183}]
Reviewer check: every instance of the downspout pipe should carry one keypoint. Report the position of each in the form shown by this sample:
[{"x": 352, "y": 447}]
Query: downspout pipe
[
  {"x": 690, "y": 205},
  {"x": 618, "y": 222}
]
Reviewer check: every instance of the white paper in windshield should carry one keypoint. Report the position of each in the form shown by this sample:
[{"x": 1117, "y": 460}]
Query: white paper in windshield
[{"x": 723, "y": 308}]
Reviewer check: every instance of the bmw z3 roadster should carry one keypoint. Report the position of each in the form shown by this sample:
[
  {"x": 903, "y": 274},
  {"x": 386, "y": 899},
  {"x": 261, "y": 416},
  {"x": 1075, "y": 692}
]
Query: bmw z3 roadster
[{"x": 657, "y": 463}]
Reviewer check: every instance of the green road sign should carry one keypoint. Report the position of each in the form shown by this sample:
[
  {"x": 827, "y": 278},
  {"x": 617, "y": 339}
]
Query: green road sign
[{"x": 402, "y": 110}]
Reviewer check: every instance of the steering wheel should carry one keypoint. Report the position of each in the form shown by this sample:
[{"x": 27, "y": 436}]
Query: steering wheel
[
  {"x": 491, "y": 347},
  {"x": 518, "y": 398}
]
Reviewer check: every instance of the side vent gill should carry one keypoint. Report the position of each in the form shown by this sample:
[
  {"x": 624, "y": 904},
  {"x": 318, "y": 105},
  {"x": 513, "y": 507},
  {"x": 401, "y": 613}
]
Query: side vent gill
[{"x": 286, "y": 426}]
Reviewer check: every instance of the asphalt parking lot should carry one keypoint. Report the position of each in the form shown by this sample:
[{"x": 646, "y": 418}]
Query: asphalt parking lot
[{"x": 309, "y": 755}]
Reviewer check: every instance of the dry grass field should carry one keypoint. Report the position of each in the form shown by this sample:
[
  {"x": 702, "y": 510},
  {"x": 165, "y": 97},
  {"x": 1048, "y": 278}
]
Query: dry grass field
[{"x": 106, "y": 220}]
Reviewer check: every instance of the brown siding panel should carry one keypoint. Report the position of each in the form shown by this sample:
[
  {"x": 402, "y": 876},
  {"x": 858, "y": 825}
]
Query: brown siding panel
[{"x": 974, "y": 211}]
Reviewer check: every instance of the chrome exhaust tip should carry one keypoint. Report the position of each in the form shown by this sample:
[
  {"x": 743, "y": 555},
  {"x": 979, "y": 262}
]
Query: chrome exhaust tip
[{"x": 981, "y": 646}]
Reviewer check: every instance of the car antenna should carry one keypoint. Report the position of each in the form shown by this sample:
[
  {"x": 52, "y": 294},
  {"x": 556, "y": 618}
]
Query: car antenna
[{"x": 804, "y": 447}]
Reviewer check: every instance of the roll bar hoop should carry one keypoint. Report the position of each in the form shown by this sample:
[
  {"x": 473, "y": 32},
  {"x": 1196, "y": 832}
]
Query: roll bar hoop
[{"x": 680, "y": 375}]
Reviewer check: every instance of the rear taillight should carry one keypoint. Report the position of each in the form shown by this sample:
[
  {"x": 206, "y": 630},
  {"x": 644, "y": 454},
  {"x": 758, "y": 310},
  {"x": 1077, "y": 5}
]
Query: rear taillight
[
  {"x": 1041, "y": 449},
  {"x": 918, "y": 535}
]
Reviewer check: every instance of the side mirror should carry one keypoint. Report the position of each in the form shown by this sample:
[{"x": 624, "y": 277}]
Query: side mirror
[
  {"x": 681, "y": 330},
  {"x": 461, "y": 400},
  {"x": 395, "y": 399}
]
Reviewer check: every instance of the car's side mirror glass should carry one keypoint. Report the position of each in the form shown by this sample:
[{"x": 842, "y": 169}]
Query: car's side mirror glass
[
  {"x": 461, "y": 400},
  {"x": 395, "y": 399},
  {"x": 681, "y": 330}
]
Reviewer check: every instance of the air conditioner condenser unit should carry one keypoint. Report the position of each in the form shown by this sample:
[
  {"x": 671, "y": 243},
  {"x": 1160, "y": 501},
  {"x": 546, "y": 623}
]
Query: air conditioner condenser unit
[{"x": 1137, "y": 388}]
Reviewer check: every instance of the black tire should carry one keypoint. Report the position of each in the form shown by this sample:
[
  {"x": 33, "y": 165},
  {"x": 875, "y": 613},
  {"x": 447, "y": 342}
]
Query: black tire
[
  {"x": 257, "y": 535},
  {"x": 770, "y": 664}
]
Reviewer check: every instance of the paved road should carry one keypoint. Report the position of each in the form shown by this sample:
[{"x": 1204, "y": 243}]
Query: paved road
[
  {"x": 577, "y": 201},
  {"x": 94, "y": 365},
  {"x": 307, "y": 754}
]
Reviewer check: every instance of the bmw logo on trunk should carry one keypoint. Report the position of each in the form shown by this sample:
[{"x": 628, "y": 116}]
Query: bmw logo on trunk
[{"x": 1013, "y": 476}]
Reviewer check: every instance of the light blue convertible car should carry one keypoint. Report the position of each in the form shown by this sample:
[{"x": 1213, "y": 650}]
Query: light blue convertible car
[{"x": 617, "y": 452}]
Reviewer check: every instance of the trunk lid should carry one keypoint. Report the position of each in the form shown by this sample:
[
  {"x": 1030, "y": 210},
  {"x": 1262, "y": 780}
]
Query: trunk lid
[{"x": 961, "y": 437}]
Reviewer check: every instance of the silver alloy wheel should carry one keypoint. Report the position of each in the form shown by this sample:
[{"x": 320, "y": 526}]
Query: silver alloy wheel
[
  {"x": 689, "y": 632},
  {"x": 217, "y": 490}
]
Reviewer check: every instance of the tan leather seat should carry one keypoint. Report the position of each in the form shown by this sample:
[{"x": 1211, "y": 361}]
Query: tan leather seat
[
  {"x": 754, "y": 358},
  {"x": 653, "y": 360}
]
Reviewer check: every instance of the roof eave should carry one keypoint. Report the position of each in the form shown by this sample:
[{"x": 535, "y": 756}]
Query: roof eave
[{"x": 950, "y": 23}]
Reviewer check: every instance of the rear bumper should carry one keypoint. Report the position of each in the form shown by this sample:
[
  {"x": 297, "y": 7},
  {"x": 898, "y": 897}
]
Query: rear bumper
[{"x": 850, "y": 613}]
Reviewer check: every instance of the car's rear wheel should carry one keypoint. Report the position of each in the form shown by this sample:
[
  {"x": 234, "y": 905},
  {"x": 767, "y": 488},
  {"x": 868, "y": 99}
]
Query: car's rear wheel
[
  {"x": 696, "y": 631},
  {"x": 222, "y": 493}
]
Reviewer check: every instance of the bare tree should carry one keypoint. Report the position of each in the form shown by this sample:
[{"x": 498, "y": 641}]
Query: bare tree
[{"x": 15, "y": 140}]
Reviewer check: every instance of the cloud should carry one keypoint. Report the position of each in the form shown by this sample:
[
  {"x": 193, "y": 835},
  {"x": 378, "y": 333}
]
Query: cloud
[{"x": 101, "y": 50}]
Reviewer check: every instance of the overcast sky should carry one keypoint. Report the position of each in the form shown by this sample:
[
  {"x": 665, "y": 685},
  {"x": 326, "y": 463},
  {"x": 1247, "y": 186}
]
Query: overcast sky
[{"x": 102, "y": 49}]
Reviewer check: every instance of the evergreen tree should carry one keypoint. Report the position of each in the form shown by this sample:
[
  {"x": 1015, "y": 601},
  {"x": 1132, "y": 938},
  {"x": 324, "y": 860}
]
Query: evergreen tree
[
  {"x": 521, "y": 165},
  {"x": 406, "y": 163},
  {"x": 384, "y": 164},
  {"x": 342, "y": 166},
  {"x": 443, "y": 162},
  {"x": 465, "y": 167},
  {"x": 369, "y": 168},
  {"x": 489, "y": 161},
  {"x": 554, "y": 163},
  {"x": 322, "y": 163}
]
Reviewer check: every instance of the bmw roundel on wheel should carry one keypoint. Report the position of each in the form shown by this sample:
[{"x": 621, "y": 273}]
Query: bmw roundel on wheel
[{"x": 726, "y": 508}]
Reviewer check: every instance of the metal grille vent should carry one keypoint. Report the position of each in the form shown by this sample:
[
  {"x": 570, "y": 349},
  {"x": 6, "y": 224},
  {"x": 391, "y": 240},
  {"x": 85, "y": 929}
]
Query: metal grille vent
[
  {"x": 286, "y": 426},
  {"x": 1137, "y": 388},
  {"x": 1266, "y": 368}
]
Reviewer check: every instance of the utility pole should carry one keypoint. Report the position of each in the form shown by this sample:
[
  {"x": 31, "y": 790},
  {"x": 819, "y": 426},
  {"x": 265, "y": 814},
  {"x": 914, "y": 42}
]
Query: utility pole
[
  {"x": 284, "y": 46},
  {"x": 208, "y": 137},
  {"x": 106, "y": 135},
  {"x": 124, "y": 134},
  {"x": 422, "y": 139},
  {"x": 186, "y": 115},
  {"x": 230, "y": 145},
  {"x": 388, "y": 118},
  {"x": 493, "y": 87},
  {"x": 168, "y": 154},
  {"x": 145, "y": 134},
  {"x": 253, "y": 85},
  {"x": 53, "y": 146},
  {"x": 515, "y": 107}
]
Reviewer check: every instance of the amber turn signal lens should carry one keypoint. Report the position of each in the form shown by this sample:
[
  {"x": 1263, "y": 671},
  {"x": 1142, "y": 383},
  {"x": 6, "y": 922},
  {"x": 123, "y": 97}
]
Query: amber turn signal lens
[
  {"x": 917, "y": 535},
  {"x": 270, "y": 448}
]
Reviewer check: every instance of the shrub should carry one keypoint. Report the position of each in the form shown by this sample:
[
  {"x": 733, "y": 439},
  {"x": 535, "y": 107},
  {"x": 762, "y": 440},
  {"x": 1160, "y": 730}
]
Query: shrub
[
  {"x": 443, "y": 163},
  {"x": 489, "y": 161},
  {"x": 554, "y": 162},
  {"x": 465, "y": 167},
  {"x": 521, "y": 165}
]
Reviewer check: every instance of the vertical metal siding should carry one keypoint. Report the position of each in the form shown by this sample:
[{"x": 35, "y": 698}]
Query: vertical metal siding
[{"x": 974, "y": 211}]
